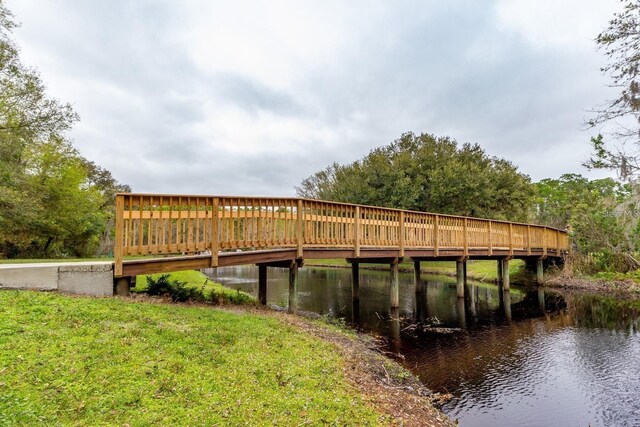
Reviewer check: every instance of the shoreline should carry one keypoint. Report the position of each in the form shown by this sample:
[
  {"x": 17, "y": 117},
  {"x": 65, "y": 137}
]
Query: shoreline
[
  {"x": 380, "y": 379},
  {"x": 624, "y": 289}
]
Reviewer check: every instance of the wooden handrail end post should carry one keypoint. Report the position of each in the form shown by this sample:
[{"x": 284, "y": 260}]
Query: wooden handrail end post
[{"x": 299, "y": 229}]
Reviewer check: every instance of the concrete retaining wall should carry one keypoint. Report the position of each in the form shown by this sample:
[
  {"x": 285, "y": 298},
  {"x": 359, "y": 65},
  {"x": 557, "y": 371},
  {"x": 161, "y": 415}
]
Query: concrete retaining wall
[{"x": 82, "y": 278}]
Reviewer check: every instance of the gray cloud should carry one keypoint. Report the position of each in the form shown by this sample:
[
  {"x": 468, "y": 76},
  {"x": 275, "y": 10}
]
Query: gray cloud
[{"x": 195, "y": 97}]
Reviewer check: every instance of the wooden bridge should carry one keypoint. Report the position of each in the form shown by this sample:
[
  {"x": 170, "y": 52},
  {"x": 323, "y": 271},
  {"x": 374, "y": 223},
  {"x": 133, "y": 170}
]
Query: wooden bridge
[{"x": 178, "y": 232}]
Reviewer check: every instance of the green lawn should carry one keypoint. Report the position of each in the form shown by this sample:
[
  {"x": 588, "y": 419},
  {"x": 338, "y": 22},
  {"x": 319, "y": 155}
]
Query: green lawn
[{"x": 88, "y": 361}]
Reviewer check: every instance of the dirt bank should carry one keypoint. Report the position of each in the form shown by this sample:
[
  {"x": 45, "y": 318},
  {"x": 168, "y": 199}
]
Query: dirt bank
[
  {"x": 384, "y": 383},
  {"x": 620, "y": 288}
]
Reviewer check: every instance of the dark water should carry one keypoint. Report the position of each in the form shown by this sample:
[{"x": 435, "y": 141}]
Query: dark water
[{"x": 526, "y": 357}]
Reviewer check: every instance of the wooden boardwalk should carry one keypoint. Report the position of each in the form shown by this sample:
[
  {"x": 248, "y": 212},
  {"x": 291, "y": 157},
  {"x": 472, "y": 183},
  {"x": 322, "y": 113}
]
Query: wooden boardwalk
[{"x": 178, "y": 232}]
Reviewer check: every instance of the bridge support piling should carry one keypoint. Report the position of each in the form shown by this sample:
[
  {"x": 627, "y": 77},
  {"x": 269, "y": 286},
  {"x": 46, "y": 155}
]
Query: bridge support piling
[
  {"x": 262, "y": 284},
  {"x": 355, "y": 281},
  {"x": 462, "y": 313},
  {"x": 506, "y": 298},
  {"x": 418, "y": 286},
  {"x": 539, "y": 272},
  {"x": 499, "y": 275},
  {"x": 394, "y": 286},
  {"x": 465, "y": 272},
  {"x": 460, "y": 278},
  {"x": 293, "y": 288},
  {"x": 122, "y": 286},
  {"x": 505, "y": 275}
]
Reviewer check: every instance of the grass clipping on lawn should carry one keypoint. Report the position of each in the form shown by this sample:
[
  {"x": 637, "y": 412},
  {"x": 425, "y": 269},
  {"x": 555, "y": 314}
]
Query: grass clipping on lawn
[{"x": 87, "y": 361}]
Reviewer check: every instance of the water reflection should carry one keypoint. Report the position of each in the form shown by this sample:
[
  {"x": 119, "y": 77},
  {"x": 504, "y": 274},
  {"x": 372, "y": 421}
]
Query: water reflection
[{"x": 518, "y": 357}]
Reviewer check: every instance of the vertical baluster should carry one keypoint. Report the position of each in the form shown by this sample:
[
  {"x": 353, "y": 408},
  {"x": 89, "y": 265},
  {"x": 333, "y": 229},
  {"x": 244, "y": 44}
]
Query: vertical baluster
[
  {"x": 118, "y": 253},
  {"x": 140, "y": 233},
  {"x": 196, "y": 240},
  {"x": 436, "y": 246},
  {"x": 130, "y": 237}
]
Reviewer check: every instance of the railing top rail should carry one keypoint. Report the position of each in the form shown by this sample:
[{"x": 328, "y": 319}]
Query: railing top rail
[{"x": 288, "y": 198}]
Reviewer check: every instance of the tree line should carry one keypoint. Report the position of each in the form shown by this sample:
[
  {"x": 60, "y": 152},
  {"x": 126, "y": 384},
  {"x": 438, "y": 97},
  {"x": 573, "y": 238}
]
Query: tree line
[
  {"x": 53, "y": 201},
  {"x": 436, "y": 174}
]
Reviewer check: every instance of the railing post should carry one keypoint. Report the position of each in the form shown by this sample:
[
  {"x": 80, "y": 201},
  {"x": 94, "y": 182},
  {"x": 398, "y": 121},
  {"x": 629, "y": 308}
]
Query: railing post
[
  {"x": 299, "y": 227},
  {"x": 528, "y": 240},
  {"x": 215, "y": 235},
  {"x": 401, "y": 237},
  {"x": 118, "y": 250},
  {"x": 465, "y": 238},
  {"x": 558, "y": 241},
  {"x": 356, "y": 231},
  {"x": 510, "y": 239},
  {"x": 436, "y": 238},
  {"x": 490, "y": 238},
  {"x": 544, "y": 241}
]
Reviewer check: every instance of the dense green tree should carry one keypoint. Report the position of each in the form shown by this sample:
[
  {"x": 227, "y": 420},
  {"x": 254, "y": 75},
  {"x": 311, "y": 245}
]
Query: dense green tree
[
  {"x": 427, "y": 173},
  {"x": 53, "y": 202},
  {"x": 557, "y": 200},
  {"x": 600, "y": 214}
]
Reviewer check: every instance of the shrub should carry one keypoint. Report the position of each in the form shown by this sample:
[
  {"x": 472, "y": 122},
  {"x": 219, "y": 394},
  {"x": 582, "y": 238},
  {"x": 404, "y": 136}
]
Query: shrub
[
  {"x": 190, "y": 290},
  {"x": 176, "y": 289}
]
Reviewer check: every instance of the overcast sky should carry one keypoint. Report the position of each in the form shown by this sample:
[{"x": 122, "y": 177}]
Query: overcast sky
[{"x": 249, "y": 98}]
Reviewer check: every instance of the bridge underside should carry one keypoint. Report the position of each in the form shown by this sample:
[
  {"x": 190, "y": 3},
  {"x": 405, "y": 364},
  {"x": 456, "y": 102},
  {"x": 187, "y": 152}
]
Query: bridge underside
[{"x": 133, "y": 267}]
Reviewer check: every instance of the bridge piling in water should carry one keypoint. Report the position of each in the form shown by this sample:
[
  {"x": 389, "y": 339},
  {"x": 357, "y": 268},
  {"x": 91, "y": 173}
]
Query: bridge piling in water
[
  {"x": 506, "y": 302},
  {"x": 394, "y": 285},
  {"x": 506, "y": 284},
  {"x": 262, "y": 284},
  {"x": 460, "y": 278},
  {"x": 355, "y": 281},
  {"x": 540, "y": 271},
  {"x": 417, "y": 283},
  {"x": 293, "y": 288}
]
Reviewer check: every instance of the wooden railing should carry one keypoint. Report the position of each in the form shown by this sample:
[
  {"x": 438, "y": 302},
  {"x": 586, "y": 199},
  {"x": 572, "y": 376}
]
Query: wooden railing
[{"x": 149, "y": 224}]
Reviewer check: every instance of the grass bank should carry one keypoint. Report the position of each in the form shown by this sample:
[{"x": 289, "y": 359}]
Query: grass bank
[
  {"x": 108, "y": 361},
  {"x": 476, "y": 270},
  {"x": 87, "y": 361}
]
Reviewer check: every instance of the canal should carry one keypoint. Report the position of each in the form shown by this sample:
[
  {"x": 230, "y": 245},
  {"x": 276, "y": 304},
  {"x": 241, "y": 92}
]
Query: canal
[{"x": 527, "y": 357}]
